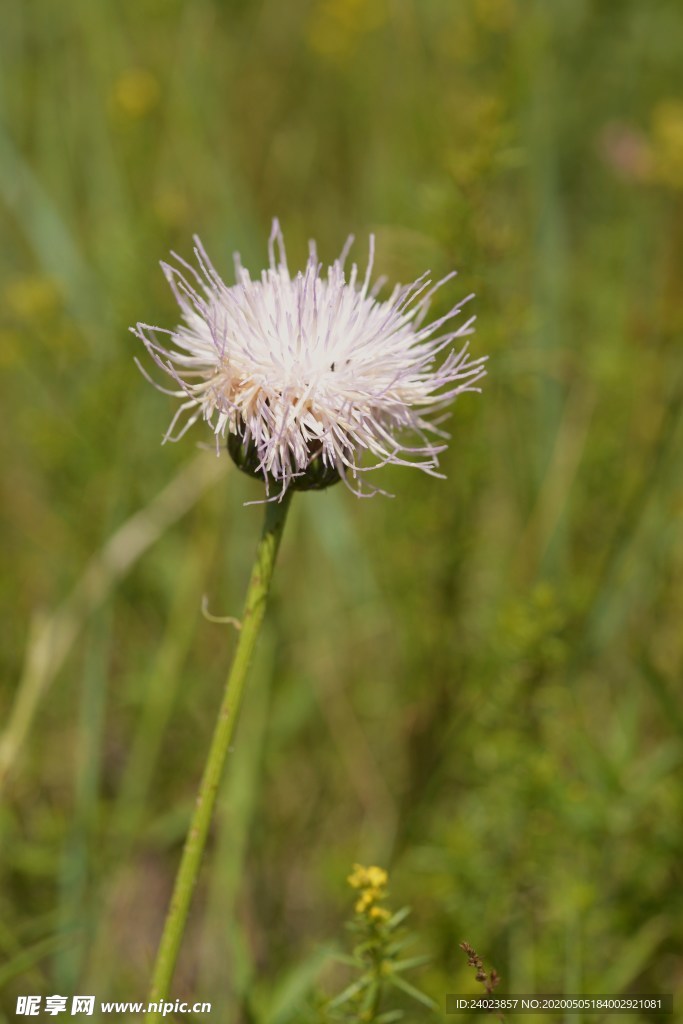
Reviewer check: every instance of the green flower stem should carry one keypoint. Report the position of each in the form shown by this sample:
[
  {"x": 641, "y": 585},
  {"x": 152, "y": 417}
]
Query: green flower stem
[{"x": 254, "y": 609}]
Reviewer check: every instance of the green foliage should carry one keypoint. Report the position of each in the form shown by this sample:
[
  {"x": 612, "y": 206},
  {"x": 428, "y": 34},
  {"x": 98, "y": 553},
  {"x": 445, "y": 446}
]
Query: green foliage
[{"x": 477, "y": 683}]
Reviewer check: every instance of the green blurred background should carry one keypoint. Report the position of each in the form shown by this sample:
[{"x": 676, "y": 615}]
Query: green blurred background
[{"x": 476, "y": 684}]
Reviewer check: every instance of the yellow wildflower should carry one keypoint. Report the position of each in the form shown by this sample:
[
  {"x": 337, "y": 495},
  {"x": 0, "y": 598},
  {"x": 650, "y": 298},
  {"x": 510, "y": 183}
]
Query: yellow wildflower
[
  {"x": 135, "y": 93},
  {"x": 31, "y": 297},
  {"x": 363, "y": 878},
  {"x": 371, "y": 882}
]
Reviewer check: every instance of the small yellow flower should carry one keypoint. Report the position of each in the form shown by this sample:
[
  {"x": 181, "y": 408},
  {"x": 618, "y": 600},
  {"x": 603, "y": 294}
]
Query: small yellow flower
[
  {"x": 367, "y": 898},
  {"x": 356, "y": 877},
  {"x": 371, "y": 882},
  {"x": 31, "y": 297},
  {"x": 135, "y": 93},
  {"x": 363, "y": 878},
  {"x": 377, "y": 877}
]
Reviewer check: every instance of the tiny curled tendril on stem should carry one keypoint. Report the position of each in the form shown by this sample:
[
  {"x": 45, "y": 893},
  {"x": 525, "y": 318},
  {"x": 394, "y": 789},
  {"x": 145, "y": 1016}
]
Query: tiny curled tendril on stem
[{"x": 224, "y": 620}]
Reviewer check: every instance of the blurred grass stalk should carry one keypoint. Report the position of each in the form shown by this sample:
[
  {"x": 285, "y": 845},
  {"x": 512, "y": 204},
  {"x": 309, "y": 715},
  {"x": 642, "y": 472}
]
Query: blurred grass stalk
[
  {"x": 53, "y": 636},
  {"x": 186, "y": 878}
]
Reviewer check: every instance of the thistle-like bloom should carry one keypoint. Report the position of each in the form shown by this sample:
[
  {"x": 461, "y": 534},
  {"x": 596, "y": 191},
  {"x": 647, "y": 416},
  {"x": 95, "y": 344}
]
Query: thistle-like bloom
[{"x": 312, "y": 375}]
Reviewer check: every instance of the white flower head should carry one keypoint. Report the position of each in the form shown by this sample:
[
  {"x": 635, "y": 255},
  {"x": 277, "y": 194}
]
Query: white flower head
[{"x": 312, "y": 376}]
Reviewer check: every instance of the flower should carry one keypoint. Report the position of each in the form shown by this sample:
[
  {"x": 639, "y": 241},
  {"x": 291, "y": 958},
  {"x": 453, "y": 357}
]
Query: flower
[
  {"x": 310, "y": 375},
  {"x": 367, "y": 878},
  {"x": 372, "y": 883}
]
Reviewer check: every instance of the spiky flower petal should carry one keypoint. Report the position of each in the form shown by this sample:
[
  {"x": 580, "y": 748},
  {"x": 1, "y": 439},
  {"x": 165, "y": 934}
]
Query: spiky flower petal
[{"x": 311, "y": 368}]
